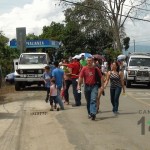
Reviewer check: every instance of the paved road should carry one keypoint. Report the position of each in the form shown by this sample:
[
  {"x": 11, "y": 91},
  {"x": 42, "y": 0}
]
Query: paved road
[{"x": 27, "y": 124}]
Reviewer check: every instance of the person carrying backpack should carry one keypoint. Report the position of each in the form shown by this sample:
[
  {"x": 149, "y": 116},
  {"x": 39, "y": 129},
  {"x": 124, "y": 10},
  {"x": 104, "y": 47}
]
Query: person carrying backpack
[{"x": 90, "y": 74}]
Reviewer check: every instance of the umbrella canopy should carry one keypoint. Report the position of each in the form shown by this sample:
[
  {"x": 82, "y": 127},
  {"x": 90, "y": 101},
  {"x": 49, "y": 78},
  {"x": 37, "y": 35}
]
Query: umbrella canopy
[
  {"x": 121, "y": 57},
  {"x": 86, "y": 55},
  {"x": 97, "y": 56},
  {"x": 76, "y": 57}
]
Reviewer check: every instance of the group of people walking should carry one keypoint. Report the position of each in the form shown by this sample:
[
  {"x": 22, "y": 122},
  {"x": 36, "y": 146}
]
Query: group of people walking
[{"x": 87, "y": 72}]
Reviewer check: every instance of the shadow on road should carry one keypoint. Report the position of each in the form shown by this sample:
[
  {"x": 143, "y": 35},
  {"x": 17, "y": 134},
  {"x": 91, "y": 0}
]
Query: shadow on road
[
  {"x": 128, "y": 113},
  {"x": 7, "y": 116},
  {"x": 104, "y": 118},
  {"x": 33, "y": 88}
]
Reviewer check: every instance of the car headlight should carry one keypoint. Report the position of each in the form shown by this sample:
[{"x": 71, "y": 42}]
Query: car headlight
[
  {"x": 40, "y": 71},
  {"x": 130, "y": 72}
]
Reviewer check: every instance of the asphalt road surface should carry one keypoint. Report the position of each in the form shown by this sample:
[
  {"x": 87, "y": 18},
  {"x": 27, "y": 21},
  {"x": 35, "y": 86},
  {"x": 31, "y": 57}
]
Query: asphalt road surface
[{"x": 27, "y": 124}]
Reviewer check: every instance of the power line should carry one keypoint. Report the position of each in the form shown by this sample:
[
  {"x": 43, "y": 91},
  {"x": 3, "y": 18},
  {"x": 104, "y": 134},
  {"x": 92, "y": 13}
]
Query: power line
[
  {"x": 132, "y": 6},
  {"x": 143, "y": 41},
  {"x": 140, "y": 19}
]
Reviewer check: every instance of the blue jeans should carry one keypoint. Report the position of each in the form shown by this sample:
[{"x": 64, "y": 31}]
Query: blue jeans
[
  {"x": 47, "y": 94},
  {"x": 53, "y": 100},
  {"x": 58, "y": 99},
  {"x": 91, "y": 93},
  {"x": 77, "y": 96},
  {"x": 114, "y": 95}
]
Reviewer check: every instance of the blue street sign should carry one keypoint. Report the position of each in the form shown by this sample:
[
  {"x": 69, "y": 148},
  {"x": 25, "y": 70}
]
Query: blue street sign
[{"x": 37, "y": 44}]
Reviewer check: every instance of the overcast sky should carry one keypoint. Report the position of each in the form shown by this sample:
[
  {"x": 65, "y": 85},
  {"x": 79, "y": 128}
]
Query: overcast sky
[{"x": 34, "y": 14}]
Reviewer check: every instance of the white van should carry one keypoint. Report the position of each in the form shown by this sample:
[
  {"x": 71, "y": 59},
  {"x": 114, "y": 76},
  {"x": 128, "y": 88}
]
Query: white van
[{"x": 30, "y": 68}]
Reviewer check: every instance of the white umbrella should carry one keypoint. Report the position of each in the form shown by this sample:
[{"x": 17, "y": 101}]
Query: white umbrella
[
  {"x": 85, "y": 55},
  {"x": 76, "y": 57},
  {"x": 121, "y": 57}
]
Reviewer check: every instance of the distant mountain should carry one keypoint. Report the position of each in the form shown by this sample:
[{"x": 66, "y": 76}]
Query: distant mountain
[{"x": 138, "y": 48}]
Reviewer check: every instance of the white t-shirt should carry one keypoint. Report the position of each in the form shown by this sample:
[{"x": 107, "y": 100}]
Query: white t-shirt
[{"x": 53, "y": 90}]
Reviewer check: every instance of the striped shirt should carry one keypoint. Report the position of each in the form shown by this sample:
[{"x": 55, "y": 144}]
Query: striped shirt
[{"x": 115, "y": 80}]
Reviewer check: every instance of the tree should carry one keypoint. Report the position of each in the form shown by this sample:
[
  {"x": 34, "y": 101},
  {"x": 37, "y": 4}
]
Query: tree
[
  {"x": 91, "y": 23},
  {"x": 126, "y": 43},
  {"x": 73, "y": 38},
  {"x": 118, "y": 15},
  {"x": 53, "y": 32},
  {"x": 32, "y": 36},
  {"x": 6, "y": 55}
]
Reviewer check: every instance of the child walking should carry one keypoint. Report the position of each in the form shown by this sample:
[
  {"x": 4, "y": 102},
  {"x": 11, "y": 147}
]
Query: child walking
[
  {"x": 53, "y": 95},
  {"x": 46, "y": 79}
]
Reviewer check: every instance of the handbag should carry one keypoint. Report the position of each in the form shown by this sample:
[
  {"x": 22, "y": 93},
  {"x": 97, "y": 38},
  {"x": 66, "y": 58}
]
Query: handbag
[{"x": 97, "y": 78}]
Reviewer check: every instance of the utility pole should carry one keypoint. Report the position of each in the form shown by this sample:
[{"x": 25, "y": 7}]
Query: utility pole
[
  {"x": 21, "y": 39},
  {"x": 134, "y": 45}
]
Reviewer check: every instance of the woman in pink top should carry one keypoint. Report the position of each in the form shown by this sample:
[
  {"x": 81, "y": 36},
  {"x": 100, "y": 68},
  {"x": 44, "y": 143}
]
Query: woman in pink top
[{"x": 53, "y": 95}]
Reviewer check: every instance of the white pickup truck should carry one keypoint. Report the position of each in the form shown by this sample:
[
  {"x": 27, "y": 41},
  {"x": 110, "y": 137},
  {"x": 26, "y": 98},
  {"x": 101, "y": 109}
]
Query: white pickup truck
[
  {"x": 138, "y": 69},
  {"x": 30, "y": 68}
]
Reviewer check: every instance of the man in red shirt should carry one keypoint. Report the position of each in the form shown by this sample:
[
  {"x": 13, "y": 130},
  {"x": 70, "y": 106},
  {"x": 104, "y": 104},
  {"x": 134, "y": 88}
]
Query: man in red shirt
[
  {"x": 74, "y": 69},
  {"x": 91, "y": 88}
]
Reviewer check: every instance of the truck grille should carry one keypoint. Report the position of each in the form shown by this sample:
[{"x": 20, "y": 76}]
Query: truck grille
[
  {"x": 143, "y": 73},
  {"x": 31, "y": 71}
]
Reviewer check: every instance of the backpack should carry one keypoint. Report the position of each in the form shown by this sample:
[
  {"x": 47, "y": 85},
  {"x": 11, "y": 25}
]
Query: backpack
[{"x": 97, "y": 77}]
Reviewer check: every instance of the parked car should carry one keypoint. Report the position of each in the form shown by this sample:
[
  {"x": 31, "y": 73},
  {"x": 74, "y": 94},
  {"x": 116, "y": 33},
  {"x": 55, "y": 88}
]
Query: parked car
[{"x": 10, "y": 78}]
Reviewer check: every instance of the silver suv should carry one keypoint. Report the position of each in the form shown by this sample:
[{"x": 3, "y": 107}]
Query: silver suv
[{"x": 138, "y": 69}]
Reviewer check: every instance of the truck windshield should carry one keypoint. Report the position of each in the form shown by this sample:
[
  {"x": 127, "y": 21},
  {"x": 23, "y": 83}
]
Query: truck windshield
[
  {"x": 33, "y": 59},
  {"x": 139, "y": 62}
]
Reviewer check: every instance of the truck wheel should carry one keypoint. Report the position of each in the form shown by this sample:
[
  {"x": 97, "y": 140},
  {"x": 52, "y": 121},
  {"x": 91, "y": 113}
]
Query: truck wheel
[
  {"x": 17, "y": 86},
  {"x": 128, "y": 83}
]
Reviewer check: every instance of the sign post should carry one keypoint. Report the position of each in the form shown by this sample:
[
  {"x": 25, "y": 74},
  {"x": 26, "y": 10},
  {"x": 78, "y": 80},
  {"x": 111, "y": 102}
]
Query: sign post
[{"x": 21, "y": 39}]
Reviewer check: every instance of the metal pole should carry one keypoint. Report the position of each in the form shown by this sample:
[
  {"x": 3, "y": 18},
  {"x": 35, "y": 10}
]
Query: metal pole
[{"x": 134, "y": 45}]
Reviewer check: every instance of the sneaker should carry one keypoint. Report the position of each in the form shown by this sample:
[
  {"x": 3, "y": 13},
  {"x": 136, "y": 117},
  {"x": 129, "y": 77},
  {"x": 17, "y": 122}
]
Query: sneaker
[
  {"x": 89, "y": 116},
  {"x": 116, "y": 113},
  {"x": 57, "y": 108},
  {"x": 67, "y": 103},
  {"x": 46, "y": 100},
  {"x": 76, "y": 105},
  {"x": 93, "y": 116}
]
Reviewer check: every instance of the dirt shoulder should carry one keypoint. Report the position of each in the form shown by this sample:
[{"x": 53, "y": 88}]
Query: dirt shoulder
[{"x": 6, "y": 89}]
